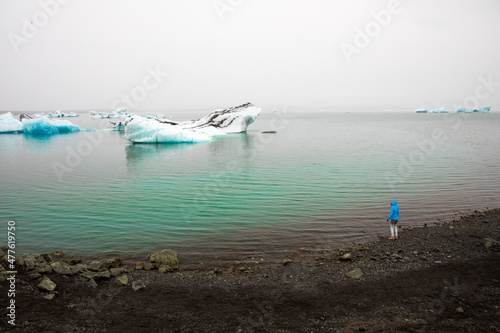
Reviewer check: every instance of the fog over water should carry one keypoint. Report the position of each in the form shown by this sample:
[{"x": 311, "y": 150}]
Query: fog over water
[{"x": 205, "y": 54}]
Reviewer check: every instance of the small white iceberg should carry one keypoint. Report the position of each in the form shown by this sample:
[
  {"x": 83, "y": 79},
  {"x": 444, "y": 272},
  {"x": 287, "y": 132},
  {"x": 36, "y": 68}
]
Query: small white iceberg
[
  {"x": 10, "y": 124},
  {"x": 440, "y": 110},
  {"x": 118, "y": 113}
]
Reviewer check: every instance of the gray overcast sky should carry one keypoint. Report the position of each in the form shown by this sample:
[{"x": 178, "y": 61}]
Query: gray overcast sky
[{"x": 92, "y": 54}]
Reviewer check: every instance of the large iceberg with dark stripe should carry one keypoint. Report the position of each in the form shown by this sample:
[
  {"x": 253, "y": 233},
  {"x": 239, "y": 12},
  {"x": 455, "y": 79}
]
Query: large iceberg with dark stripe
[{"x": 218, "y": 123}]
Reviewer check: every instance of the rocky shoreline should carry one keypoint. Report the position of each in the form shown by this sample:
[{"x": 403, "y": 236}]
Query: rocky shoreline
[{"x": 436, "y": 278}]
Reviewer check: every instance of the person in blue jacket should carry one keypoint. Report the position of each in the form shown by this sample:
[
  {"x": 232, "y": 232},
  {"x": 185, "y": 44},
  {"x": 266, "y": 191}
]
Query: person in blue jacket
[{"x": 394, "y": 218}]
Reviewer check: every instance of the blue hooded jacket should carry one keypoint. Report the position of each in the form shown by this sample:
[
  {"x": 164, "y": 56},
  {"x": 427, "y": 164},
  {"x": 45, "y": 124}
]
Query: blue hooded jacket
[{"x": 394, "y": 214}]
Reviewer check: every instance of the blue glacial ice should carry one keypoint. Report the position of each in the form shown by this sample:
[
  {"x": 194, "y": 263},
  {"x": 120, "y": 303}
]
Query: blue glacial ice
[
  {"x": 44, "y": 126},
  {"x": 10, "y": 124},
  {"x": 218, "y": 123}
]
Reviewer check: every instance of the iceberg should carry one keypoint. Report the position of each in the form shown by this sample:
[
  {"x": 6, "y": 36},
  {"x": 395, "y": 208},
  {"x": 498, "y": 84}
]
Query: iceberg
[
  {"x": 485, "y": 109},
  {"x": 59, "y": 114},
  {"x": 422, "y": 111},
  {"x": 44, "y": 126},
  {"x": 9, "y": 123},
  {"x": 118, "y": 113},
  {"x": 440, "y": 110},
  {"x": 218, "y": 123}
]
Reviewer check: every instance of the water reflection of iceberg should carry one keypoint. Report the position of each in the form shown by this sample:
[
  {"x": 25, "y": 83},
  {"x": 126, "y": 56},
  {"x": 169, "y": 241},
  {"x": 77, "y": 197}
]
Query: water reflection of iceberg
[{"x": 138, "y": 152}]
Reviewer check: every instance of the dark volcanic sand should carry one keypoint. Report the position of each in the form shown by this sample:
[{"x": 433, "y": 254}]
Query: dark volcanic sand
[{"x": 433, "y": 279}]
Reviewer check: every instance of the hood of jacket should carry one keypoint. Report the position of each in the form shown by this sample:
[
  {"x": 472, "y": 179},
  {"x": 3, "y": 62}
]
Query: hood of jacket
[{"x": 394, "y": 203}]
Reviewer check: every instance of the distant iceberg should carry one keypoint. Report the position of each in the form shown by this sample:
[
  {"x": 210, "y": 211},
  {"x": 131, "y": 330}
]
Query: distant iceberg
[
  {"x": 440, "y": 110},
  {"x": 9, "y": 123},
  {"x": 44, "y": 126},
  {"x": 484, "y": 109},
  {"x": 218, "y": 123},
  {"x": 118, "y": 113},
  {"x": 422, "y": 111},
  {"x": 59, "y": 114}
]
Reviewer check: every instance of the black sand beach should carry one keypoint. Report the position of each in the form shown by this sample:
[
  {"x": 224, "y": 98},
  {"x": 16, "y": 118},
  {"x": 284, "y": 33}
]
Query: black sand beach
[{"x": 439, "y": 278}]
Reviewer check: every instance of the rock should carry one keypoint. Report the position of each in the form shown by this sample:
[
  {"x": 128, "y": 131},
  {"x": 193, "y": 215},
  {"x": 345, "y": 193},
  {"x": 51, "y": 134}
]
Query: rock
[
  {"x": 61, "y": 268},
  {"x": 3, "y": 276},
  {"x": 77, "y": 269},
  {"x": 346, "y": 257},
  {"x": 109, "y": 263},
  {"x": 56, "y": 255},
  {"x": 139, "y": 266},
  {"x": 43, "y": 258},
  {"x": 148, "y": 266},
  {"x": 35, "y": 276},
  {"x": 72, "y": 262},
  {"x": 165, "y": 257},
  {"x": 29, "y": 262},
  {"x": 47, "y": 269},
  {"x": 491, "y": 244},
  {"x": 47, "y": 284},
  {"x": 138, "y": 285},
  {"x": 287, "y": 262},
  {"x": 20, "y": 260},
  {"x": 354, "y": 274},
  {"x": 88, "y": 275},
  {"x": 460, "y": 310},
  {"x": 91, "y": 283},
  {"x": 49, "y": 296},
  {"x": 165, "y": 269},
  {"x": 95, "y": 266},
  {"x": 122, "y": 280},
  {"x": 104, "y": 275},
  {"x": 116, "y": 271}
]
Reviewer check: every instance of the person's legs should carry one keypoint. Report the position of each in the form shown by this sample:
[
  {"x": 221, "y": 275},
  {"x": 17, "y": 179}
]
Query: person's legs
[
  {"x": 392, "y": 230},
  {"x": 394, "y": 225}
]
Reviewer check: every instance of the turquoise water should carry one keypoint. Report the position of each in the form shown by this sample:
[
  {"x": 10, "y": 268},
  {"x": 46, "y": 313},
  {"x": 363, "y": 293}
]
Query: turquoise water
[{"x": 321, "y": 180}]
